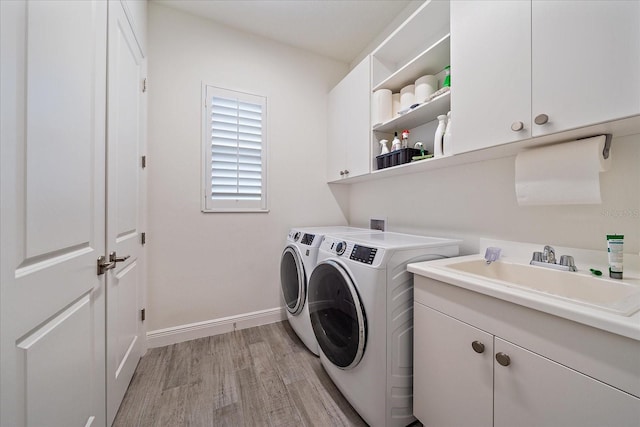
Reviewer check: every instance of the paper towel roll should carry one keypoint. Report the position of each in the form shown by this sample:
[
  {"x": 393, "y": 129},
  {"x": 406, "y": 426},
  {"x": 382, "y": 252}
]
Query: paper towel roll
[
  {"x": 381, "y": 106},
  {"x": 561, "y": 174},
  {"x": 395, "y": 99},
  {"x": 407, "y": 96},
  {"x": 425, "y": 87}
]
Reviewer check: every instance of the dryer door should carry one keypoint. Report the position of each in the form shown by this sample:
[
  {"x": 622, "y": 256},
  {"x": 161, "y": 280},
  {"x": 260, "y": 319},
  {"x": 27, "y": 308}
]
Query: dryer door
[
  {"x": 337, "y": 314},
  {"x": 293, "y": 280}
]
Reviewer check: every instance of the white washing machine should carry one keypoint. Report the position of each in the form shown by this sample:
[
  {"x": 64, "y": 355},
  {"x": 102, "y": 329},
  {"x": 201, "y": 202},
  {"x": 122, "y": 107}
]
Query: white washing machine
[
  {"x": 296, "y": 264},
  {"x": 361, "y": 309}
]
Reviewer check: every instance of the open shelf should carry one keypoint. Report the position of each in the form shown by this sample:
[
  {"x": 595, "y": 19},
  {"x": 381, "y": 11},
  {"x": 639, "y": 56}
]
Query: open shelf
[
  {"x": 431, "y": 61},
  {"x": 427, "y": 26},
  {"x": 420, "y": 115}
]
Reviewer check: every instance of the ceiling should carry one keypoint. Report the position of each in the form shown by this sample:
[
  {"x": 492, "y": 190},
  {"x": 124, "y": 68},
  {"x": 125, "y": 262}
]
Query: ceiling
[{"x": 339, "y": 29}]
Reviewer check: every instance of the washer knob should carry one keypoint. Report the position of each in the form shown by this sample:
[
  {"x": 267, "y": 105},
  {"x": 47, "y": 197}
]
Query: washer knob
[
  {"x": 341, "y": 247},
  {"x": 296, "y": 236}
]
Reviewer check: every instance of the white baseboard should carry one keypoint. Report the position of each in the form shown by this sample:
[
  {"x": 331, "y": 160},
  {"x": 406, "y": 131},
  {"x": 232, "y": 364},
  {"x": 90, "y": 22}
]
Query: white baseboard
[{"x": 192, "y": 331}]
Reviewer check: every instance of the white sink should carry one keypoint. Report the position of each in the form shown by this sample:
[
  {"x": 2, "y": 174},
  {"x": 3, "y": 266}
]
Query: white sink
[{"x": 610, "y": 295}]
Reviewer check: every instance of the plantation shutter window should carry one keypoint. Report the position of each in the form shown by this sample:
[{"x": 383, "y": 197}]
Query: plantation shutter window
[{"x": 234, "y": 151}]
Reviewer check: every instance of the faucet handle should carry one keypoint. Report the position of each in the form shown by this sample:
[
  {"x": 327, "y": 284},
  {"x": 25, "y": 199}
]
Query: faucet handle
[
  {"x": 537, "y": 257},
  {"x": 567, "y": 260}
]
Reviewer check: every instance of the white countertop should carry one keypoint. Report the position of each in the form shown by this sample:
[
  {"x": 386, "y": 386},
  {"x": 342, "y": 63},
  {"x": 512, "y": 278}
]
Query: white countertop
[{"x": 517, "y": 253}]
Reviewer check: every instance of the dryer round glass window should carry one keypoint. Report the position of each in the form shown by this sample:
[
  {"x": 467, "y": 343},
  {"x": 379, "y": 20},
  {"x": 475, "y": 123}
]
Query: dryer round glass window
[
  {"x": 292, "y": 280},
  {"x": 337, "y": 315}
]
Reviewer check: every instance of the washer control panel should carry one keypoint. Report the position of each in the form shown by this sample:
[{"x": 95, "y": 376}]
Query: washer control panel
[
  {"x": 363, "y": 254},
  {"x": 307, "y": 239}
]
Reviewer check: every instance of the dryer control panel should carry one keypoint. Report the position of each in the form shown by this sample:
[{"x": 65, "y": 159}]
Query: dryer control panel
[
  {"x": 363, "y": 254},
  {"x": 353, "y": 251}
]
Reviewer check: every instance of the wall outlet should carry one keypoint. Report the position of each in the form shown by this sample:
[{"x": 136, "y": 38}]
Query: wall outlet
[{"x": 378, "y": 223}]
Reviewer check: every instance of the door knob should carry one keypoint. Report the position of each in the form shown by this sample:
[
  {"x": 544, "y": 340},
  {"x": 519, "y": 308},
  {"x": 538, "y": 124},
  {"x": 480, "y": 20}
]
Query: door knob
[
  {"x": 541, "y": 119},
  {"x": 517, "y": 126},
  {"x": 114, "y": 258},
  {"x": 503, "y": 359},
  {"x": 477, "y": 346}
]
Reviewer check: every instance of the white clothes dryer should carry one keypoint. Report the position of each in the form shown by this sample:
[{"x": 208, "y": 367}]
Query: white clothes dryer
[
  {"x": 361, "y": 309},
  {"x": 296, "y": 264}
]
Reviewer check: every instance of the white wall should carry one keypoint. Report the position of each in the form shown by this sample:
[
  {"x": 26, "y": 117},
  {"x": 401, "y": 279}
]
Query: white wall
[
  {"x": 478, "y": 200},
  {"x": 209, "y": 266}
]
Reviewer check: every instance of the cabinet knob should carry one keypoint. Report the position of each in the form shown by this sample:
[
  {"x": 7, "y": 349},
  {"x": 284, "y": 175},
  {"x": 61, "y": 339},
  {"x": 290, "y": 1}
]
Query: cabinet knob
[
  {"x": 541, "y": 119},
  {"x": 346, "y": 172},
  {"x": 503, "y": 359},
  {"x": 477, "y": 346},
  {"x": 517, "y": 126},
  {"x": 341, "y": 173}
]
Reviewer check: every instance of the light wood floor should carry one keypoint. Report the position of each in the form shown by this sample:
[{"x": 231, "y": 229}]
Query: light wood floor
[{"x": 262, "y": 376}]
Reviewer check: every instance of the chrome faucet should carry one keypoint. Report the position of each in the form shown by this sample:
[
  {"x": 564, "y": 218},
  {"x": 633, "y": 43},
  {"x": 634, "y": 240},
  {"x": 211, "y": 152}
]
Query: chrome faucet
[
  {"x": 547, "y": 258},
  {"x": 549, "y": 255}
]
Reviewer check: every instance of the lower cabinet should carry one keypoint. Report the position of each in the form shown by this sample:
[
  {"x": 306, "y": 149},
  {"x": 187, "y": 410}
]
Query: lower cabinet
[{"x": 465, "y": 376}]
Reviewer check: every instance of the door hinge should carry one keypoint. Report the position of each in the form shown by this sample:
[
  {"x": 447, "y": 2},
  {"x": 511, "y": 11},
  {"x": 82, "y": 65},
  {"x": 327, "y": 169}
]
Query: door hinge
[
  {"x": 143, "y": 238},
  {"x": 143, "y": 314},
  {"x": 143, "y": 162},
  {"x": 144, "y": 85}
]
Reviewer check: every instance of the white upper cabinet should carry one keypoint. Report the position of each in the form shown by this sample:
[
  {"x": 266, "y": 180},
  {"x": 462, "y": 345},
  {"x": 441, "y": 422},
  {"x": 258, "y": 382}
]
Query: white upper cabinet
[
  {"x": 586, "y": 62},
  {"x": 527, "y": 69},
  {"x": 349, "y": 125},
  {"x": 490, "y": 72}
]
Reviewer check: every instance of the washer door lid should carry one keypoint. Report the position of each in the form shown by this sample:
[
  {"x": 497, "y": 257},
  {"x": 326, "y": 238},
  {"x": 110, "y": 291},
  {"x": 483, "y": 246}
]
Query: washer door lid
[
  {"x": 337, "y": 315},
  {"x": 293, "y": 280}
]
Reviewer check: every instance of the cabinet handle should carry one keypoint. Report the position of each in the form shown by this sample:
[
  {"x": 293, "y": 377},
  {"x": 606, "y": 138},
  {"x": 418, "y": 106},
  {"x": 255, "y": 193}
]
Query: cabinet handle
[
  {"x": 541, "y": 119},
  {"x": 503, "y": 359},
  {"x": 477, "y": 346},
  {"x": 517, "y": 126}
]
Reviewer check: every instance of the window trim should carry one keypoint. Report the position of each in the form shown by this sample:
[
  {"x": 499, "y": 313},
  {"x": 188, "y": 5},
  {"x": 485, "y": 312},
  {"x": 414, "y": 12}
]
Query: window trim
[{"x": 229, "y": 206}]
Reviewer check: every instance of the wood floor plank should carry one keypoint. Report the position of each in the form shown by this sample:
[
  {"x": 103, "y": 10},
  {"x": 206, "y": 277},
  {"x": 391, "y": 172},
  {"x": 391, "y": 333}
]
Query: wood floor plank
[
  {"x": 261, "y": 376},
  {"x": 239, "y": 350},
  {"x": 312, "y": 411},
  {"x": 253, "y": 404},
  {"x": 179, "y": 362},
  {"x": 280, "y": 408}
]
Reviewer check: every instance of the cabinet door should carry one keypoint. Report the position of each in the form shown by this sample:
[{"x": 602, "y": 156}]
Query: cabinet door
[
  {"x": 534, "y": 391},
  {"x": 452, "y": 382},
  {"x": 490, "y": 72},
  {"x": 349, "y": 124},
  {"x": 586, "y": 62}
]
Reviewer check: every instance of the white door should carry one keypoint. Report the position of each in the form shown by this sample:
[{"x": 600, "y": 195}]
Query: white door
[
  {"x": 52, "y": 157},
  {"x": 124, "y": 201}
]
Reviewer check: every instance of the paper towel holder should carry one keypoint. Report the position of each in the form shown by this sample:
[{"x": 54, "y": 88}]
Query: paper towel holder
[{"x": 607, "y": 144}]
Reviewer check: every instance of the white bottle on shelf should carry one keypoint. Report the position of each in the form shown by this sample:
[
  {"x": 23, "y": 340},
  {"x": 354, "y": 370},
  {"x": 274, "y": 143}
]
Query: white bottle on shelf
[
  {"x": 437, "y": 140},
  {"x": 446, "y": 141}
]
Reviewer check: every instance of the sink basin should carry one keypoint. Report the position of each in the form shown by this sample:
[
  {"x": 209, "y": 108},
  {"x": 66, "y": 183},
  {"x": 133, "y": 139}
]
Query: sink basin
[{"x": 609, "y": 295}]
